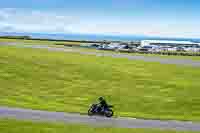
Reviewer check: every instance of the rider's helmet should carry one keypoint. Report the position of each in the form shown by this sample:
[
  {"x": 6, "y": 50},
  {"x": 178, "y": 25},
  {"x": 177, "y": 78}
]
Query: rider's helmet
[{"x": 100, "y": 98}]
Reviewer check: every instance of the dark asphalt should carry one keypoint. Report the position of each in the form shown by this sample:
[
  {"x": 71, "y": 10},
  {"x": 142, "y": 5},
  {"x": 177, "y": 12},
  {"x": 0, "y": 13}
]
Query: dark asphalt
[
  {"x": 185, "y": 62},
  {"x": 45, "y": 116}
]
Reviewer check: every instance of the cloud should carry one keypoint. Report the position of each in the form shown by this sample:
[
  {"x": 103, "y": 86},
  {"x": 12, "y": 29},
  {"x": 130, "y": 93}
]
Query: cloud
[
  {"x": 26, "y": 20},
  {"x": 18, "y": 20},
  {"x": 140, "y": 27}
]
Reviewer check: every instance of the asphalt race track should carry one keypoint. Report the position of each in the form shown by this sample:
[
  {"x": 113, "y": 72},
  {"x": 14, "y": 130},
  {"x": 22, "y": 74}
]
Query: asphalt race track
[
  {"x": 45, "y": 116},
  {"x": 185, "y": 62}
]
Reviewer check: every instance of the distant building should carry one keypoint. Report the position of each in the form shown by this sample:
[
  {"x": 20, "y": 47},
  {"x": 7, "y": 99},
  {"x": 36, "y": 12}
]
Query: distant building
[
  {"x": 135, "y": 43},
  {"x": 168, "y": 43}
]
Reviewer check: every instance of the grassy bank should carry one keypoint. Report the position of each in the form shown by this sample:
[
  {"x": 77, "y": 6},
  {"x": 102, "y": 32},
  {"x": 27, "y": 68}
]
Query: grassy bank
[
  {"x": 57, "y": 81},
  {"x": 39, "y": 42},
  {"x": 13, "y": 126}
]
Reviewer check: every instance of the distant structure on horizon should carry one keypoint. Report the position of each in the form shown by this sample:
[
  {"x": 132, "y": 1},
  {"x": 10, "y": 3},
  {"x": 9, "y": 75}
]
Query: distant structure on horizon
[{"x": 168, "y": 43}]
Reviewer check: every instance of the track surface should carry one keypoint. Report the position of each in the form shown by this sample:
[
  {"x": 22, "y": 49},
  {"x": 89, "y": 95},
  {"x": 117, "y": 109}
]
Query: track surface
[
  {"x": 45, "y": 116},
  {"x": 186, "y": 62}
]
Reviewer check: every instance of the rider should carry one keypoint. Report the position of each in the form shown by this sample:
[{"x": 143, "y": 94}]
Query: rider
[{"x": 102, "y": 103}]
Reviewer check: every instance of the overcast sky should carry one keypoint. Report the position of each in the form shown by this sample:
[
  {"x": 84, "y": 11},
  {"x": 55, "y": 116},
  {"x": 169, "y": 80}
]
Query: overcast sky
[{"x": 168, "y": 18}]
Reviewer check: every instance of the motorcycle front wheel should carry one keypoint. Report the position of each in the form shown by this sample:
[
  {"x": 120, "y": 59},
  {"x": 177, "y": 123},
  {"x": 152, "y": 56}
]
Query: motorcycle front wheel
[{"x": 109, "y": 113}]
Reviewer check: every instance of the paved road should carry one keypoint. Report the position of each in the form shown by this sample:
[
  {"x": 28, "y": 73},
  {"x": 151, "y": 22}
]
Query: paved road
[
  {"x": 186, "y": 62},
  {"x": 45, "y": 116}
]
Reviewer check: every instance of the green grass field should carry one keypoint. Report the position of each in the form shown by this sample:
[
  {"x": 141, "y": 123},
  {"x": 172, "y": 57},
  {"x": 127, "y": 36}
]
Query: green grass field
[
  {"x": 57, "y": 81},
  {"x": 13, "y": 126},
  {"x": 37, "y": 41}
]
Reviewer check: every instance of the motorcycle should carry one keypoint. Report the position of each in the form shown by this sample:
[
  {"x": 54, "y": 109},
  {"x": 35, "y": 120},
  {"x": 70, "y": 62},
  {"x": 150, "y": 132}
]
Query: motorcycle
[{"x": 96, "y": 110}]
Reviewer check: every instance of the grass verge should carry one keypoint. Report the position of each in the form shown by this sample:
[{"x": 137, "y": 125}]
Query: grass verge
[
  {"x": 40, "y": 42},
  {"x": 14, "y": 126}
]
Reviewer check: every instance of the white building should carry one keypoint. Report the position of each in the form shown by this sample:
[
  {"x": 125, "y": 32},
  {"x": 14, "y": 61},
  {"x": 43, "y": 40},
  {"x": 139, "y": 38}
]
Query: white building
[{"x": 167, "y": 43}]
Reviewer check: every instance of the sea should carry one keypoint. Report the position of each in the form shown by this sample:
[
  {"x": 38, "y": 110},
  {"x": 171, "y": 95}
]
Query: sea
[{"x": 95, "y": 37}]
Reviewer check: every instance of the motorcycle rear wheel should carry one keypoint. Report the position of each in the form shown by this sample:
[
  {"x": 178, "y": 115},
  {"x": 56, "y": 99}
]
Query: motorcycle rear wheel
[{"x": 90, "y": 112}]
